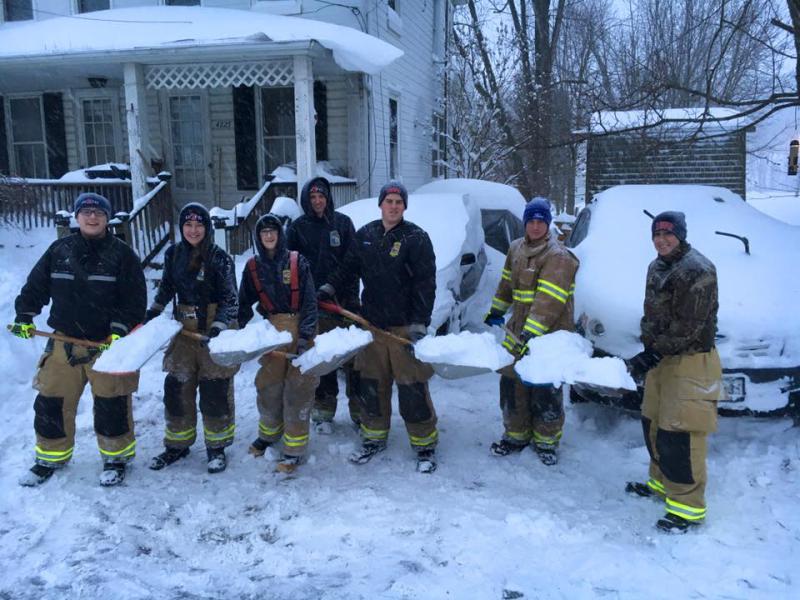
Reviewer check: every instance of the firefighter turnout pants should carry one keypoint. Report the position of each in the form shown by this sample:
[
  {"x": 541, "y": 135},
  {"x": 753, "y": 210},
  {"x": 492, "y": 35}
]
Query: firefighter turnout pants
[
  {"x": 61, "y": 376},
  {"x": 380, "y": 365},
  {"x": 678, "y": 412},
  {"x": 531, "y": 414},
  {"x": 190, "y": 370},
  {"x": 327, "y": 392},
  {"x": 284, "y": 395}
]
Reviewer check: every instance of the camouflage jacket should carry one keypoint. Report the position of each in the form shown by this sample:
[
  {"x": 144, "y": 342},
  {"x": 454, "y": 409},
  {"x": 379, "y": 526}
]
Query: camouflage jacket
[
  {"x": 680, "y": 303},
  {"x": 538, "y": 284}
]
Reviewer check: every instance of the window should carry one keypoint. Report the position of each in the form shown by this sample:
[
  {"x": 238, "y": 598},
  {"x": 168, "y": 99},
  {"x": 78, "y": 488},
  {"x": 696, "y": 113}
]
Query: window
[
  {"x": 182, "y": 2},
  {"x": 99, "y": 119},
  {"x": 17, "y": 10},
  {"x": 277, "y": 127},
  {"x": 393, "y": 5},
  {"x": 188, "y": 146},
  {"x": 28, "y": 144},
  {"x": 394, "y": 158},
  {"x": 85, "y": 6},
  {"x": 438, "y": 146}
]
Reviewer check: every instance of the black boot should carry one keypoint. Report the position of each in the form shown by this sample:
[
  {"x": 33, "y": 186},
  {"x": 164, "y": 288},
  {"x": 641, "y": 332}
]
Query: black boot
[
  {"x": 640, "y": 489},
  {"x": 547, "y": 454},
  {"x": 426, "y": 460},
  {"x": 674, "y": 524},
  {"x": 368, "y": 449},
  {"x": 288, "y": 464},
  {"x": 504, "y": 448},
  {"x": 113, "y": 474},
  {"x": 37, "y": 475},
  {"x": 167, "y": 457},
  {"x": 258, "y": 447},
  {"x": 216, "y": 460}
]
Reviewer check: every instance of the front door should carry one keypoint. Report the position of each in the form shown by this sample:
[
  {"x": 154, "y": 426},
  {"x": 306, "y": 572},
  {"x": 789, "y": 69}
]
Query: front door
[{"x": 190, "y": 163}]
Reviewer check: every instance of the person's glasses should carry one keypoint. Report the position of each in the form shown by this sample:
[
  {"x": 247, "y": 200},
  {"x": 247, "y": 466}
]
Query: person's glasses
[
  {"x": 269, "y": 232},
  {"x": 92, "y": 212}
]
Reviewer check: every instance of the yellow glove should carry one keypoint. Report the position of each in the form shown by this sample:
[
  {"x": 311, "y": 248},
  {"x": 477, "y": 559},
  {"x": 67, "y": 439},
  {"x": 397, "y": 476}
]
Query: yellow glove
[
  {"x": 111, "y": 339},
  {"x": 22, "y": 330}
]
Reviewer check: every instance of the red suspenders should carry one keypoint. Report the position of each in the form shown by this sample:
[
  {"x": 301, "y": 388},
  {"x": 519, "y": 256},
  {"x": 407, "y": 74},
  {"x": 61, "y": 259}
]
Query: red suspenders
[{"x": 294, "y": 283}]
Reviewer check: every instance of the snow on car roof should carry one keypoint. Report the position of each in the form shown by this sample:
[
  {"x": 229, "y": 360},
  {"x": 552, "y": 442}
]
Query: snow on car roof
[
  {"x": 157, "y": 27},
  {"x": 487, "y": 194},
  {"x": 758, "y": 292}
]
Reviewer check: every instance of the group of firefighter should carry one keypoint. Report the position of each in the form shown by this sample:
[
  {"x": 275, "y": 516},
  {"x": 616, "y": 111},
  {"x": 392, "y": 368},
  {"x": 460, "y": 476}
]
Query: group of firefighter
[{"x": 95, "y": 286}]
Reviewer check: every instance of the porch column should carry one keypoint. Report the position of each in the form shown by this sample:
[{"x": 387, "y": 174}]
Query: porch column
[
  {"x": 304, "y": 120},
  {"x": 136, "y": 115}
]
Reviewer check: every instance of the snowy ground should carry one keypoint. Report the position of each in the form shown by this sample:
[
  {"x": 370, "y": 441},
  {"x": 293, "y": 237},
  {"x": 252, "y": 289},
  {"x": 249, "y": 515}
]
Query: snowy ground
[{"x": 480, "y": 527}]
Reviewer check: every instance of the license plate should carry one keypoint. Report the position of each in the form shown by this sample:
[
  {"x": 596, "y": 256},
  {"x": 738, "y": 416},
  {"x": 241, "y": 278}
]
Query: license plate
[{"x": 734, "y": 388}]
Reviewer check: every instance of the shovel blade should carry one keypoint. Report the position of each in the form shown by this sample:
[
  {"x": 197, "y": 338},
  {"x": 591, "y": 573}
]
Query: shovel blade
[
  {"x": 448, "y": 371},
  {"x": 602, "y": 390},
  {"x": 232, "y": 358},
  {"x": 328, "y": 366}
]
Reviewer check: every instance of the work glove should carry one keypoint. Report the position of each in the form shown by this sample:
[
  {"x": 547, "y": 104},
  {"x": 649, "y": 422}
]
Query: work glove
[
  {"x": 22, "y": 330},
  {"x": 521, "y": 347},
  {"x": 494, "y": 319},
  {"x": 107, "y": 344},
  {"x": 643, "y": 362},
  {"x": 214, "y": 331},
  {"x": 302, "y": 346},
  {"x": 151, "y": 314},
  {"x": 326, "y": 293}
]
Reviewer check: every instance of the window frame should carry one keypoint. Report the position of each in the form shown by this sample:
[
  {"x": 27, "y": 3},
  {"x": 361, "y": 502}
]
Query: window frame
[
  {"x": 11, "y": 144},
  {"x": 76, "y": 7},
  {"x": 438, "y": 145},
  {"x": 166, "y": 3},
  {"x": 116, "y": 121},
  {"x": 3, "y": 18},
  {"x": 260, "y": 142}
]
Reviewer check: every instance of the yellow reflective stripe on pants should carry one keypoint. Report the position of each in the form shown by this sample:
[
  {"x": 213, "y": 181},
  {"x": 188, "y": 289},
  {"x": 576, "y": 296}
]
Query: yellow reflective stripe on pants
[
  {"x": 572, "y": 289},
  {"x": 220, "y": 436},
  {"x": 523, "y": 437},
  {"x": 509, "y": 343},
  {"x": 53, "y": 456},
  {"x": 292, "y": 441},
  {"x": 424, "y": 441},
  {"x": 535, "y": 327},
  {"x": 690, "y": 513},
  {"x": 374, "y": 434},
  {"x": 506, "y": 274},
  {"x": 128, "y": 451},
  {"x": 180, "y": 436},
  {"x": 656, "y": 486},
  {"x": 270, "y": 431},
  {"x": 551, "y": 289},
  {"x": 523, "y": 296},
  {"x": 549, "y": 440},
  {"x": 500, "y": 305}
]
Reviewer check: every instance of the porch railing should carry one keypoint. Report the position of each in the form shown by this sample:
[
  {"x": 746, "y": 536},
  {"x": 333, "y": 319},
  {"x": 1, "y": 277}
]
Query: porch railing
[
  {"x": 239, "y": 235},
  {"x": 146, "y": 223}
]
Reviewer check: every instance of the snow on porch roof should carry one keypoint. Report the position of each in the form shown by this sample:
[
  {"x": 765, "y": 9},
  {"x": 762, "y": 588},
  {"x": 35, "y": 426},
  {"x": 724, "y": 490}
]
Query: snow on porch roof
[{"x": 174, "y": 27}]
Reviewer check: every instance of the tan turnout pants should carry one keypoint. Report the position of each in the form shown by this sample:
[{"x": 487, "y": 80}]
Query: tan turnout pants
[
  {"x": 60, "y": 386},
  {"x": 382, "y": 363},
  {"x": 284, "y": 395},
  {"x": 326, "y": 396},
  {"x": 678, "y": 412}
]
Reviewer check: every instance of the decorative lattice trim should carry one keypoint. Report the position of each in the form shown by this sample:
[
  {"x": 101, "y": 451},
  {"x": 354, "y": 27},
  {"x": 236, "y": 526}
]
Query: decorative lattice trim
[{"x": 171, "y": 77}]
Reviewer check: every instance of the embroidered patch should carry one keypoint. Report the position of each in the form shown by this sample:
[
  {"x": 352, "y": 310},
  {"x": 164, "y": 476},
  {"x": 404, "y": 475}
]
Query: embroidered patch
[
  {"x": 287, "y": 276},
  {"x": 395, "y": 249},
  {"x": 336, "y": 241},
  {"x": 201, "y": 274}
]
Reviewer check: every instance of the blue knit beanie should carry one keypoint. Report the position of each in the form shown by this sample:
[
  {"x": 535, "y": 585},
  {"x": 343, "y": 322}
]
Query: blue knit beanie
[
  {"x": 539, "y": 209},
  {"x": 92, "y": 200}
]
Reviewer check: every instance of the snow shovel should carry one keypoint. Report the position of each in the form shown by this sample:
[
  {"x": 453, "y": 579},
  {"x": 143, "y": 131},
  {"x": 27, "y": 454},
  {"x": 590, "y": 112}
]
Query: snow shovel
[{"x": 234, "y": 357}]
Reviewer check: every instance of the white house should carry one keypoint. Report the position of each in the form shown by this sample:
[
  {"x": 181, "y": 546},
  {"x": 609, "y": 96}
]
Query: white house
[{"x": 221, "y": 92}]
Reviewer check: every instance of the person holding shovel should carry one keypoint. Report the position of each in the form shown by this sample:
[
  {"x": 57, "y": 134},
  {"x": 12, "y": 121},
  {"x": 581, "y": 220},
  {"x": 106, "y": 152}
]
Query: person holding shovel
[
  {"x": 96, "y": 290},
  {"x": 201, "y": 275},
  {"x": 281, "y": 283},
  {"x": 537, "y": 283},
  {"x": 324, "y": 236},
  {"x": 395, "y": 260}
]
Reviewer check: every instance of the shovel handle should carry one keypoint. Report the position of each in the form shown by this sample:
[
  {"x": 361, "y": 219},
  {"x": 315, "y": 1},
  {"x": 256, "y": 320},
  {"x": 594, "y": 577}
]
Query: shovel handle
[
  {"x": 336, "y": 309},
  {"x": 64, "y": 338},
  {"x": 193, "y": 335}
]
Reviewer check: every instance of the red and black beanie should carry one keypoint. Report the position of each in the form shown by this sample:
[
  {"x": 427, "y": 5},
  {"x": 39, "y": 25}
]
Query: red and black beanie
[
  {"x": 671, "y": 221},
  {"x": 393, "y": 187}
]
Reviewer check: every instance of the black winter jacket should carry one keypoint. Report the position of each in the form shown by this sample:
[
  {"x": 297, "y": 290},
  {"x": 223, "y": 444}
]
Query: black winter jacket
[
  {"x": 213, "y": 282},
  {"x": 94, "y": 284},
  {"x": 325, "y": 242},
  {"x": 680, "y": 303},
  {"x": 398, "y": 269},
  {"x": 273, "y": 273}
]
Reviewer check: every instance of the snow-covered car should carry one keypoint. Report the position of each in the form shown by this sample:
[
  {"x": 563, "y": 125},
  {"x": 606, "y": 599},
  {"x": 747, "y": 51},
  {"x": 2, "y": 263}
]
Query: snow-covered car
[
  {"x": 453, "y": 223},
  {"x": 756, "y": 258},
  {"x": 501, "y": 207}
]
